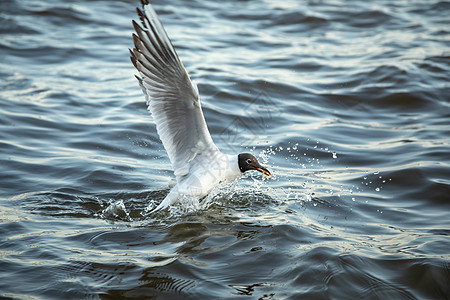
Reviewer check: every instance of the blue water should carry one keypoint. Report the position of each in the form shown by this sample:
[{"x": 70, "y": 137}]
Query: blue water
[{"x": 346, "y": 102}]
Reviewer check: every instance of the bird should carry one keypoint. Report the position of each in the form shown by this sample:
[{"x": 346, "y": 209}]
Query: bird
[{"x": 173, "y": 101}]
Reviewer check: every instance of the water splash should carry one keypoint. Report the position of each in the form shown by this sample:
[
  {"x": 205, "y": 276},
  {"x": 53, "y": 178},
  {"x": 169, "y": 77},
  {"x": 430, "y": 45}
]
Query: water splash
[
  {"x": 116, "y": 210},
  {"x": 300, "y": 172},
  {"x": 308, "y": 170}
]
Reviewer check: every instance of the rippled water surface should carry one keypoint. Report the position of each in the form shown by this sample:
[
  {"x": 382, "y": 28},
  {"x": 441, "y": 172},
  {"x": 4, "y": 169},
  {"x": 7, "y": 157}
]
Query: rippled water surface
[{"x": 346, "y": 102}]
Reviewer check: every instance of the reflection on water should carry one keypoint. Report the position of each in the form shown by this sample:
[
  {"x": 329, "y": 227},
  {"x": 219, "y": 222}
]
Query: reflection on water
[{"x": 347, "y": 104}]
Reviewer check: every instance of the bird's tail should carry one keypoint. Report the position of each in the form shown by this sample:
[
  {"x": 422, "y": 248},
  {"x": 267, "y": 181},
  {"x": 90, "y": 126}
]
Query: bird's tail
[{"x": 170, "y": 199}]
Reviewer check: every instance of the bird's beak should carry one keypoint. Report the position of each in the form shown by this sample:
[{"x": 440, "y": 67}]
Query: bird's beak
[{"x": 263, "y": 170}]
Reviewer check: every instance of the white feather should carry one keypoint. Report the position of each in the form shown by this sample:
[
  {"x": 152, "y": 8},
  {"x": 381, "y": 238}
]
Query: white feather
[{"x": 173, "y": 100}]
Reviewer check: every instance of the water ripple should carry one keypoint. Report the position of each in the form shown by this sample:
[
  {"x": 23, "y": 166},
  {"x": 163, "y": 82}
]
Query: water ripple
[{"x": 347, "y": 103}]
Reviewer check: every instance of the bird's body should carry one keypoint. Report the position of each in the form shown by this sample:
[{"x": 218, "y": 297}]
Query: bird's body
[
  {"x": 202, "y": 179},
  {"x": 173, "y": 100}
]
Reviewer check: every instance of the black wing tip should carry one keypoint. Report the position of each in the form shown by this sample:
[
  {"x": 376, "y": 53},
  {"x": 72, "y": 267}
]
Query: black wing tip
[
  {"x": 136, "y": 39},
  {"x": 135, "y": 24},
  {"x": 138, "y": 78},
  {"x": 133, "y": 58}
]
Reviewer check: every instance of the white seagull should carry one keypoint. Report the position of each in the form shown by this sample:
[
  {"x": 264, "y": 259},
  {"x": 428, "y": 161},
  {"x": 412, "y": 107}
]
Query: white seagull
[{"x": 173, "y": 100}]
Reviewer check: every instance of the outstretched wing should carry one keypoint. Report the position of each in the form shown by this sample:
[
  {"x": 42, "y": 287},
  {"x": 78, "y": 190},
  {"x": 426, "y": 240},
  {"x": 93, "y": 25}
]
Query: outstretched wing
[{"x": 171, "y": 97}]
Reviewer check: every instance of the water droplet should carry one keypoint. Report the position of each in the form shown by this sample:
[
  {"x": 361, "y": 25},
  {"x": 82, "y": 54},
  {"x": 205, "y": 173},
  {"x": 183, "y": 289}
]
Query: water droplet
[
  {"x": 377, "y": 189},
  {"x": 334, "y": 155}
]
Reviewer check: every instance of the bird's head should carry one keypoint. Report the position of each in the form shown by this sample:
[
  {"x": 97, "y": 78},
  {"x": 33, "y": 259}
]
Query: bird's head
[{"x": 248, "y": 162}]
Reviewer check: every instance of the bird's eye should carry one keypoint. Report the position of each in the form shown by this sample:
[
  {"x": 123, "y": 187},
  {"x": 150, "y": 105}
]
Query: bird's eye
[{"x": 248, "y": 160}]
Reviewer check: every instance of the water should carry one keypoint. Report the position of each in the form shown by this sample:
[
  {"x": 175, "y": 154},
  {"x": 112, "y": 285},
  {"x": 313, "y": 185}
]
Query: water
[{"x": 347, "y": 102}]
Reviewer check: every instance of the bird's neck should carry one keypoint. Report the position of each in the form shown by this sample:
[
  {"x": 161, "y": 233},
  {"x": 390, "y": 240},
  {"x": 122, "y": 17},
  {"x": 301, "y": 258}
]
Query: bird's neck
[{"x": 233, "y": 167}]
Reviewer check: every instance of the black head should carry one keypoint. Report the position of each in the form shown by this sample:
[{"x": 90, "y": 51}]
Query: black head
[{"x": 248, "y": 162}]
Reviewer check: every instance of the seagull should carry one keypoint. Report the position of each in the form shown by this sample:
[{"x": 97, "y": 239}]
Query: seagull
[{"x": 173, "y": 100}]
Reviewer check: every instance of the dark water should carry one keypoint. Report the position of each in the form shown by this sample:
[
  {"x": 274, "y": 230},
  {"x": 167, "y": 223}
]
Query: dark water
[{"x": 347, "y": 102}]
